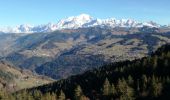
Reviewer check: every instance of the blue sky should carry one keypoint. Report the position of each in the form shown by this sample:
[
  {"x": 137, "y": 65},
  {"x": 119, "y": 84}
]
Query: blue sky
[{"x": 14, "y": 12}]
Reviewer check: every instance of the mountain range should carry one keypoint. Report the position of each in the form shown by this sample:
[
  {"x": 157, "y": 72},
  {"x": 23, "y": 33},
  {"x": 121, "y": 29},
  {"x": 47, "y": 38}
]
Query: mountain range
[
  {"x": 80, "y": 21},
  {"x": 62, "y": 53},
  {"x": 79, "y": 43},
  {"x": 81, "y": 50}
]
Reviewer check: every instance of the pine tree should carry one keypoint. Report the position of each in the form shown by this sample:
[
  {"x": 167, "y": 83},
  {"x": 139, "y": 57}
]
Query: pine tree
[
  {"x": 155, "y": 62},
  {"x": 130, "y": 80},
  {"x": 168, "y": 54},
  {"x": 138, "y": 86},
  {"x": 46, "y": 96},
  {"x": 113, "y": 90},
  {"x": 125, "y": 92},
  {"x": 144, "y": 82},
  {"x": 106, "y": 87},
  {"x": 62, "y": 96},
  {"x": 156, "y": 87},
  {"x": 78, "y": 93},
  {"x": 53, "y": 96},
  {"x": 166, "y": 63},
  {"x": 144, "y": 62},
  {"x": 37, "y": 95},
  {"x": 121, "y": 86}
]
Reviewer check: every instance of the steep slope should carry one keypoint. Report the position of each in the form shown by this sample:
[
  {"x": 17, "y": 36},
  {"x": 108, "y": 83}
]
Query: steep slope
[
  {"x": 146, "y": 78},
  {"x": 13, "y": 79}
]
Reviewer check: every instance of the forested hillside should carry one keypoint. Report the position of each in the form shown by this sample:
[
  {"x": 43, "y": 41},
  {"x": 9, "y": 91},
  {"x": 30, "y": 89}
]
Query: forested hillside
[
  {"x": 146, "y": 78},
  {"x": 67, "y": 52}
]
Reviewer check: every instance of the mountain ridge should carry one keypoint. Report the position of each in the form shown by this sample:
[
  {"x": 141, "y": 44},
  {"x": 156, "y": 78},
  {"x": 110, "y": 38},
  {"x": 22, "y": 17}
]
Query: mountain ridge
[{"x": 80, "y": 21}]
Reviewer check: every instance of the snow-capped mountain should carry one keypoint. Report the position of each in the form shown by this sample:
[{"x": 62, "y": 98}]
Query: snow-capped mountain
[
  {"x": 84, "y": 20},
  {"x": 74, "y": 22},
  {"x": 29, "y": 29}
]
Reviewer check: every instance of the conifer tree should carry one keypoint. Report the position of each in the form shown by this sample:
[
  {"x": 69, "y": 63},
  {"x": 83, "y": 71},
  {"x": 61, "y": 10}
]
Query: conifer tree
[
  {"x": 130, "y": 80},
  {"x": 156, "y": 87},
  {"x": 155, "y": 61},
  {"x": 144, "y": 82},
  {"x": 53, "y": 96},
  {"x": 113, "y": 90},
  {"x": 166, "y": 63},
  {"x": 125, "y": 92},
  {"x": 106, "y": 87},
  {"x": 62, "y": 96},
  {"x": 78, "y": 93},
  {"x": 37, "y": 95}
]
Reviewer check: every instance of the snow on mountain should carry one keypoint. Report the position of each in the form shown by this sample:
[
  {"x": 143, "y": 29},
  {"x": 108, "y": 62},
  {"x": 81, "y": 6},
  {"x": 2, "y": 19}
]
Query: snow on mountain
[
  {"x": 29, "y": 29},
  {"x": 74, "y": 22}
]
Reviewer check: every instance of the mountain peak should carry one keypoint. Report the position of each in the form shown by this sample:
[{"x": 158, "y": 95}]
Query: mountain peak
[
  {"x": 81, "y": 17},
  {"x": 84, "y": 16},
  {"x": 80, "y": 21},
  {"x": 74, "y": 21}
]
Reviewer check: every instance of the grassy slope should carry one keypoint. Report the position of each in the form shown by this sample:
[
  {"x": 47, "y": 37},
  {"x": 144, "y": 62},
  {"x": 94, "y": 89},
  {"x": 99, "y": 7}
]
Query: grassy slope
[{"x": 14, "y": 79}]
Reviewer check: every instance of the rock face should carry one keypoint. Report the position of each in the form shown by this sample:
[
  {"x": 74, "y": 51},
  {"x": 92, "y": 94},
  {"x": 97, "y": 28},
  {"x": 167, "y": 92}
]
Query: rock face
[{"x": 66, "y": 52}]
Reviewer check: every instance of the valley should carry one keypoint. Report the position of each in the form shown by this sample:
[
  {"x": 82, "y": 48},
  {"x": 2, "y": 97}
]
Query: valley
[
  {"x": 60, "y": 54},
  {"x": 85, "y": 58},
  {"x": 13, "y": 79}
]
